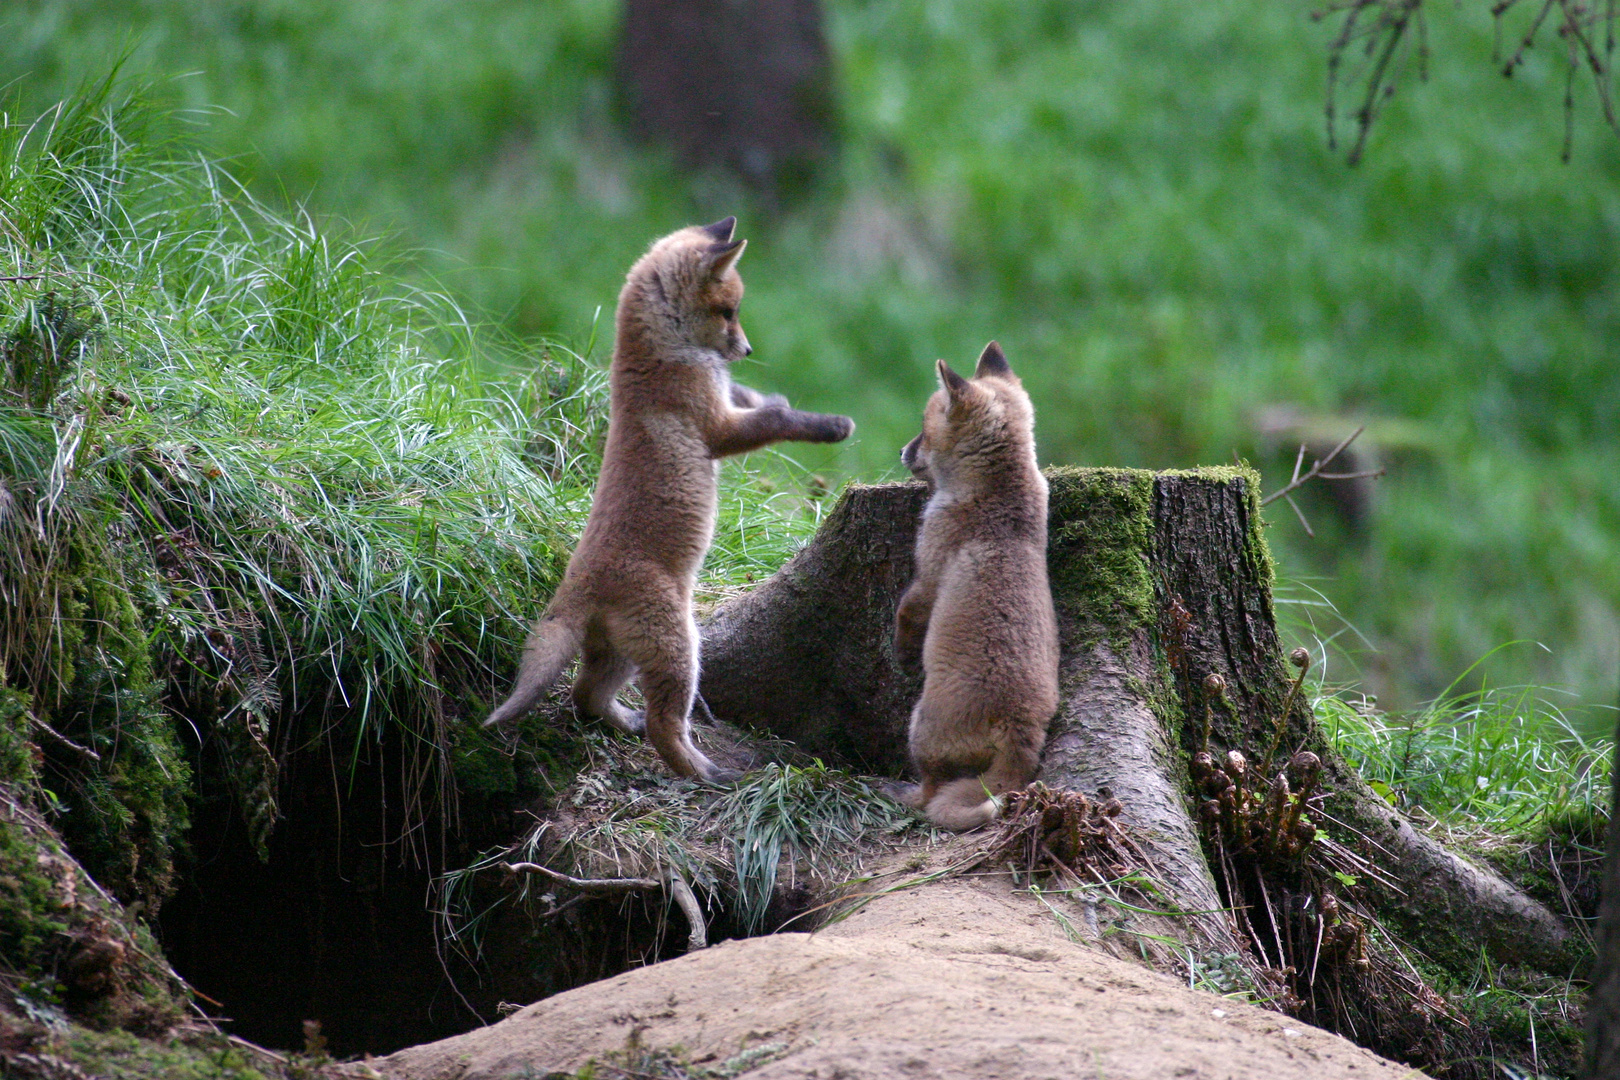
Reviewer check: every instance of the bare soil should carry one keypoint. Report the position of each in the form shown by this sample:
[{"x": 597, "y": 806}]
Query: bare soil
[{"x": 961, "y": 978}]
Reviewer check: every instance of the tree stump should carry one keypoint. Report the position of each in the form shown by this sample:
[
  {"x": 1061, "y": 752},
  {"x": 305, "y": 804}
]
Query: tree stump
[{"x": 1160, "y": 580}]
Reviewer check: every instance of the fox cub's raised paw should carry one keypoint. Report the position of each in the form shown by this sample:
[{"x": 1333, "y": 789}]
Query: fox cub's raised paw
[{"x": 839, "y": 428}]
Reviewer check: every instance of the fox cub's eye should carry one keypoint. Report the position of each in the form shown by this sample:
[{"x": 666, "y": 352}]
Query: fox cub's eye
[{"x": 726, "y": 313}]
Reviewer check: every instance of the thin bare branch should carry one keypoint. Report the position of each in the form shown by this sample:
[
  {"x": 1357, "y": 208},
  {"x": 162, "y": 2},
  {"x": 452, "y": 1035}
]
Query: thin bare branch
[
  {"x": 567, "y": 905},
  {"x": 679, "y": 890},
  {"x": 82, "y": 752},
  {"x": 1380, "y": 31},
  {"x": 1306, "y": 525},
  {"x": 1315, "y": 471},
  {"x": 600, "y": 886}
]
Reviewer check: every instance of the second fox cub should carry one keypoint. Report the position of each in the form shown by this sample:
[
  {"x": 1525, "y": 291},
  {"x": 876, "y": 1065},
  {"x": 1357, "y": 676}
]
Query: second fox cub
[
  {"x": 626, "y": 598},
  {"x": 978, "y": 615}
]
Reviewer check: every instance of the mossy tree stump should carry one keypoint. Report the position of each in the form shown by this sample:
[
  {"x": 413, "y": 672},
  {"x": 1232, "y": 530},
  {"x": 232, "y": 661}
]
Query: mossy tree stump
[{"x": 1160, "y": 580}]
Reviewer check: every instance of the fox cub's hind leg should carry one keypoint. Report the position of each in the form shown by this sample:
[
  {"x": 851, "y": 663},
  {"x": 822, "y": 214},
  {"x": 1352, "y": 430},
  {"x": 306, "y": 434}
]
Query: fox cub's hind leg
[
  {"x": 603, "y": 671},
  {"x": 971, "y": 801},
  {"x": 667, "y": 656},
  {"x": 962, "y": 804}
]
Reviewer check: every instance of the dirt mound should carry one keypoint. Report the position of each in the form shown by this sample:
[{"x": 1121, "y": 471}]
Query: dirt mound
[{"x": 956, "y": 979}]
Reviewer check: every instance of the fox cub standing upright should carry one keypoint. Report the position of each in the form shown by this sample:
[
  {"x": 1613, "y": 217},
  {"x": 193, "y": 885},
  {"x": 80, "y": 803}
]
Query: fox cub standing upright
[
  {"x": 978, "y": 615},
  {"x": 626, "y": 597}
]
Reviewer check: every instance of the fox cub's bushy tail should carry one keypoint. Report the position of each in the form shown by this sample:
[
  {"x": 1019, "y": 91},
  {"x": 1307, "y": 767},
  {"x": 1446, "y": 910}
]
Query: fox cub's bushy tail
[{"x": 552, "y": 646}]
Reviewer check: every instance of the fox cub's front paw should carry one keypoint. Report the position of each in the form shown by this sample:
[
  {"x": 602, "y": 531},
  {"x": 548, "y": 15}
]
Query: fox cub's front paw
[{"x": 838, "y": 428}]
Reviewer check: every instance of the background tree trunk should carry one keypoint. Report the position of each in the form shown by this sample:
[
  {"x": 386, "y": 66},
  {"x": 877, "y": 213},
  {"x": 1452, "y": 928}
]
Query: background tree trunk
[
  {"x": 1160, "y": 580},
  {"x": 1603, "y": 1007},
  {"x": 744, "y": 85}
]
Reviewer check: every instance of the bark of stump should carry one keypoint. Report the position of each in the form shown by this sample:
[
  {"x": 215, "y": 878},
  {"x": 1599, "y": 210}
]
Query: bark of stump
[{"x": 808, "y": 656}]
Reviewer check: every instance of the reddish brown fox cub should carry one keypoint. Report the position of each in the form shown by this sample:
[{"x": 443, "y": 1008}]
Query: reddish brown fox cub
[
  {"x": 978, "y": 615},
  {"x": 626, "y": 598}
]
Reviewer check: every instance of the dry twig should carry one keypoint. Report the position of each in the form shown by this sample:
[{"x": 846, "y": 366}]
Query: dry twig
[
  {"x": 1298, "y": 481},
  {"x": 84, "y": 753},
  {"x": 1380, "y": 28}
]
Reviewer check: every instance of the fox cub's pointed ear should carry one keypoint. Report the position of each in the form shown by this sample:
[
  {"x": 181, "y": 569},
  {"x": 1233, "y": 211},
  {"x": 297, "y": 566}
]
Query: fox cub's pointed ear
[
  {"x": 721, "y": 256},
  {"x": 992, "y": 362},
  {"x": 956, "y": 387},
  {"x": 722, "y": 229}
]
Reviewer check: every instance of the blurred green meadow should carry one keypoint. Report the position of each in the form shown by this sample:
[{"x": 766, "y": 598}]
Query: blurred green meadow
[{"x": 1138, "y": 200}]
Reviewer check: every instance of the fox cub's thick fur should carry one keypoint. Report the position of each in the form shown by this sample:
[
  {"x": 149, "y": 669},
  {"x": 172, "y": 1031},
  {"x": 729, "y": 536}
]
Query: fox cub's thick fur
[
  {"x": 626, "y": 597},
  {"x": 978, "y": 615}
]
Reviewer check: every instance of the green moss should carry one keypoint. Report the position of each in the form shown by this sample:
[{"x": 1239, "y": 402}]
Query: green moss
[
  {"x": 126, "y": 816},
  {"x": 480, "y": 765},
  {"x": 553, "y": 748},
  {"x": 1099, "y": 547},
  {"x": 51, "y": 913},
  {"x": 1101, "y": 552},
  {"x": 1256, "y": 548},
  {"x": 1166, "y": 705},
  {"x": 1526, "y": 1022},
  {"x": 34, "y": 909},
  {"x": 18, "y": 765},
  {"x": 118, "y": 1055},
  {"x": 1559, "y": 861},
  {"x": 1102, "y": 541},
  {"x": 1256, "y": 551}
]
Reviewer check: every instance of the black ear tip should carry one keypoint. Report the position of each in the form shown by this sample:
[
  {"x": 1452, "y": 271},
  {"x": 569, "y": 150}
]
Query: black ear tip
[
  {"x": 722, "y": 229},
  {"x": 993, "y": 359}
]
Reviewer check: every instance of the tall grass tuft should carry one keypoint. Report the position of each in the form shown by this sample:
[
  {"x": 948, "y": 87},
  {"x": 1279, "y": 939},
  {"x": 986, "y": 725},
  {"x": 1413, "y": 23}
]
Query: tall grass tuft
[
  {"x": 787, "y": 813},
  {"x": 786, "y": 833},
  {"x": 324, "y": 516},
  {"x": 1496, "y": 762}
]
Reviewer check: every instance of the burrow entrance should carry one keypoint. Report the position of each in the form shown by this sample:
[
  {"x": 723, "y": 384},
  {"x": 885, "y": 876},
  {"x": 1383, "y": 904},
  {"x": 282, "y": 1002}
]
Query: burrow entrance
[{"x": 336, "y": 925}]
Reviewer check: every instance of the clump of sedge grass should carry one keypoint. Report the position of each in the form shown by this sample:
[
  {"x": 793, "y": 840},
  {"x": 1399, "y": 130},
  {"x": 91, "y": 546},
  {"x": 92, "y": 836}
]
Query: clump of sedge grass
[
  {"x": 1497, "y": 760},
  {"x": 296, "y": 467},
  {"x": 333, "y": 500},
  {"x": 785, "y": 816},
  {"x": 625, "y": 816}
]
